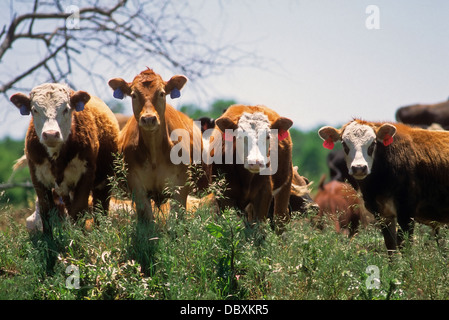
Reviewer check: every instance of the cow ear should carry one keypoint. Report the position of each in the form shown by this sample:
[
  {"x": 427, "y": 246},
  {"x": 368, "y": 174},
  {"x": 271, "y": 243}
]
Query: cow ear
[
  {"x": 386, "y": 133},
  {"x": 224, "y": 123},
  {"x": 78, "y": 99},
  {"x": 282, "y": 123},
  {"x": 330, "y": 135},
  {"x": 23, "y": 102},
  {"x": 174, "y": 86},
  {"x": 120, "y": 87}
]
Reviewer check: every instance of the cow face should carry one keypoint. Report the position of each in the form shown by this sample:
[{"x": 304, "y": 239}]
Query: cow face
[
  {"x": 359, "y": 142},
  {"x": 148, "y": 92},
  {"x": 51, "y": 106},
  {"x": 253, "y": 134}
]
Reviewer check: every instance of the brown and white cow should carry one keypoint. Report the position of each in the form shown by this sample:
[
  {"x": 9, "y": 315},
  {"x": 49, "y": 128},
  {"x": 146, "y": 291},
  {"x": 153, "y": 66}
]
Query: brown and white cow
[
  {"x": 146, "y": 141},
  {"x": 69, "y": 147},
  {"x": 256, "y": 163},
  {"x": 403, "y": 172}
]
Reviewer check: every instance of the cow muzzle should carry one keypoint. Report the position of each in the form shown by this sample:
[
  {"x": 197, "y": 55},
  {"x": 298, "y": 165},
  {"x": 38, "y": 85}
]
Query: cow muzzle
[
  {"x": 256, "y": 166},
  {"x": 149, "y": 122},
  {"x": 359, "y": 171},
  {"x": 51, "y": 138}
]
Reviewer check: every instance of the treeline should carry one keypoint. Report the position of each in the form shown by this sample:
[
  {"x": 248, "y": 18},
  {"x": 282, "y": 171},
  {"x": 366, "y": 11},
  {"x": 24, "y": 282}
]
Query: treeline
[{"x": 308, "y": 155}]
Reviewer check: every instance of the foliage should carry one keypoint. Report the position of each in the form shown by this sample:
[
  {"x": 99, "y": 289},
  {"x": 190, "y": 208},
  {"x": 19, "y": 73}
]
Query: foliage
[{"x": 11, "y": 150}]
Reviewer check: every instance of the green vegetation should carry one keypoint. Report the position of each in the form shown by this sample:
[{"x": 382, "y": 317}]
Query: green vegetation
[
  {"x": 202, "y": 255},
  {"x": 206, "y": 256}
]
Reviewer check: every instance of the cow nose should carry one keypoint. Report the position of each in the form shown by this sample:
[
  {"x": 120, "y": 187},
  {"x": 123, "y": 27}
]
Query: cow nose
[
  {"x": 148, "y": 120},
  {"x": 360, "y": 169},
  {"x": 256, "y": 165},
  {"x": 51, "y": 135}
]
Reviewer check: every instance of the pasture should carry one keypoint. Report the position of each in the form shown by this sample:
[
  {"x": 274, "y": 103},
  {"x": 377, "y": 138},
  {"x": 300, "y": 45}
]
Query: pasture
[{"x": 199, "y": 255}]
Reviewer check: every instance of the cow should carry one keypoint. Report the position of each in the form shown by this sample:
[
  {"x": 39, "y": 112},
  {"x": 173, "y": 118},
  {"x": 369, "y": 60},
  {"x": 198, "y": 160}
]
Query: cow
[
  {"x": 424, "y": 115},
  {"x": 69, "y": 147},
  {"x": 241, "y": 151},
  {"x": 340, "y": 202},
  {"x": 402, "y": 173},
  {"x": 146, "y": 141}
]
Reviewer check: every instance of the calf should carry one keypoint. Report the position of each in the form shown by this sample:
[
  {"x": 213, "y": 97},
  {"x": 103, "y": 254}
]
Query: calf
[
  {"x": 146, "y": 141},
  {"x": 69, "y": 147},
  {"x": 341, "y": 203},
  {"x": 241, "y": 150},
  {"x": 402, "y": 172}
]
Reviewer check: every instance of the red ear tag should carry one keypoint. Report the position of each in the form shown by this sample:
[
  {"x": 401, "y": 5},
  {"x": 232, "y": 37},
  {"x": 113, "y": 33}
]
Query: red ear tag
[
  {"x": 328, "y": 144},
  {"x": 387, "y": 140},
  {"x": 282, "y": 134}
]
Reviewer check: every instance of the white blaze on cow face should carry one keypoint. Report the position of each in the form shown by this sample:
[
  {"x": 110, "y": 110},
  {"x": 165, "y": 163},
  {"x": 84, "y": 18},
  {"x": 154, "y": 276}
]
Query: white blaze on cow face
[
  {"x": 51, "y": 105},
  {"x": 52, "y": 115},
  {"x": 253, "y": 141},
  {"x": 359, "y": 144}
]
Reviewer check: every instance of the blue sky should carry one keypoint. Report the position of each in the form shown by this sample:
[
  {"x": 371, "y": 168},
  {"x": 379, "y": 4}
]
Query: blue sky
[{"x": 321, "y": 64}]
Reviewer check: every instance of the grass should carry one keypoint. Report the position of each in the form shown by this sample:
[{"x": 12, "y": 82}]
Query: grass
[
  {"x": 215, "y": 257},
  {"x": 201, "y": 255}
]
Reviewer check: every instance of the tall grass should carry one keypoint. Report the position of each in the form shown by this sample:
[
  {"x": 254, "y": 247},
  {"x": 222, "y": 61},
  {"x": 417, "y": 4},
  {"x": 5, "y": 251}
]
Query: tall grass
[{"x": 202, "y": 255}]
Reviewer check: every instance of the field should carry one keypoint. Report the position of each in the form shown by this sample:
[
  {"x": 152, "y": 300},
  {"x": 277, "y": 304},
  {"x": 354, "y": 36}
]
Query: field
[
  {"x": 200, "y": 255},
  {"x": 197, "y": 255}
]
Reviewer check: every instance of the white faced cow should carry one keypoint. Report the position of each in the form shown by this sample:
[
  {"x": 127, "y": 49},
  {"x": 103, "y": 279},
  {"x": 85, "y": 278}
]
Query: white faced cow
[
  {"x": 69, "y": 147},
  {"x": 255, "y": 169},
  {"x": 403, "y": 173}
]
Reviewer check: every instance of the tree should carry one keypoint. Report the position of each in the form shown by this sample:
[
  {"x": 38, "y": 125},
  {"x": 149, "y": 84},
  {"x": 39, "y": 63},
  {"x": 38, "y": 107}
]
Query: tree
[{"x": 97, "y": 35}]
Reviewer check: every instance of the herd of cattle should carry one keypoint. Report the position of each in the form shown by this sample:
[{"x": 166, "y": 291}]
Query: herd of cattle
[{"x": 391, "y": 172}]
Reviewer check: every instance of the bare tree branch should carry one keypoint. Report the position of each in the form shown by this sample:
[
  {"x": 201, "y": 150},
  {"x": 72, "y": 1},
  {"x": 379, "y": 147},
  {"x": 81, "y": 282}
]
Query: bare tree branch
[{"x": 120, "y": 34}]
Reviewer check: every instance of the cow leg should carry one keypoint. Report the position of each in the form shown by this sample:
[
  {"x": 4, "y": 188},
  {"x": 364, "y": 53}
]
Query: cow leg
[
  {"x": 281, "y": 200},
  {"x": 389, "y": 232},
  {"x": 407, "y": 228},
  {"x": 101, "y": 196},
  {"x": 261, "y": 205},
  {"x": 46, "y": 205},
  {"x": 78, "y": 200}
]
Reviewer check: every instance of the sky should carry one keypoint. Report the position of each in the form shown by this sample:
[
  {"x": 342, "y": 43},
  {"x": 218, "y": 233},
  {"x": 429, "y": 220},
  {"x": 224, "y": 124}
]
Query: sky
[{"x": 324, "y": 62}]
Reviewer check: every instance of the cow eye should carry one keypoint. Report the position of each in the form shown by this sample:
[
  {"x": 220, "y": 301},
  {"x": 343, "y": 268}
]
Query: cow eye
[
  {"x": 371, "y": 148},
  {"x": 345, "y": 147},
  {"x": 133, "y": 95},
  {"x": 162, "y": 94}
]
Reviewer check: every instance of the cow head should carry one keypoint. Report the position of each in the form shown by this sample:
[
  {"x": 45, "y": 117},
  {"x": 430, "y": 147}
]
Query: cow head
[
  {"x": 51, "y": 105},
  {"x": 148, "y": 92},
  {"x": 359, "y": 142},
  {"x": 253, "y": 133}
]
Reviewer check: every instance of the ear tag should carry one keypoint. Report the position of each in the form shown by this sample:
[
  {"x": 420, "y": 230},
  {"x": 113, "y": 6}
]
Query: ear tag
[
  {"x": 24, "y": 111},
  {"x": 388, "y": 140},
  {"x": 282, "y": 134},
  {"x": 79, "y": 106},
  {"x": 175, "y": 93},
  {"x": 118, "y": 94},
  {"x": 328, "y": 144}
]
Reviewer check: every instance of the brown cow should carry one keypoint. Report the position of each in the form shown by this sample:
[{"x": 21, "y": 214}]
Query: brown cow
[
  {"x": 240, "y": 149},
  {"x": 69, "y": 147},
  {"x": 341, "y": 204},
  {"x": 402, "y": 172},
  {"x": 146, "y": 141}
]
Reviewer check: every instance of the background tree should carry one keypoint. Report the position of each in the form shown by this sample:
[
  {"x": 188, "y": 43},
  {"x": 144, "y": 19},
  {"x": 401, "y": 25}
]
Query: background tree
[{"x": 93, "y": 36}]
